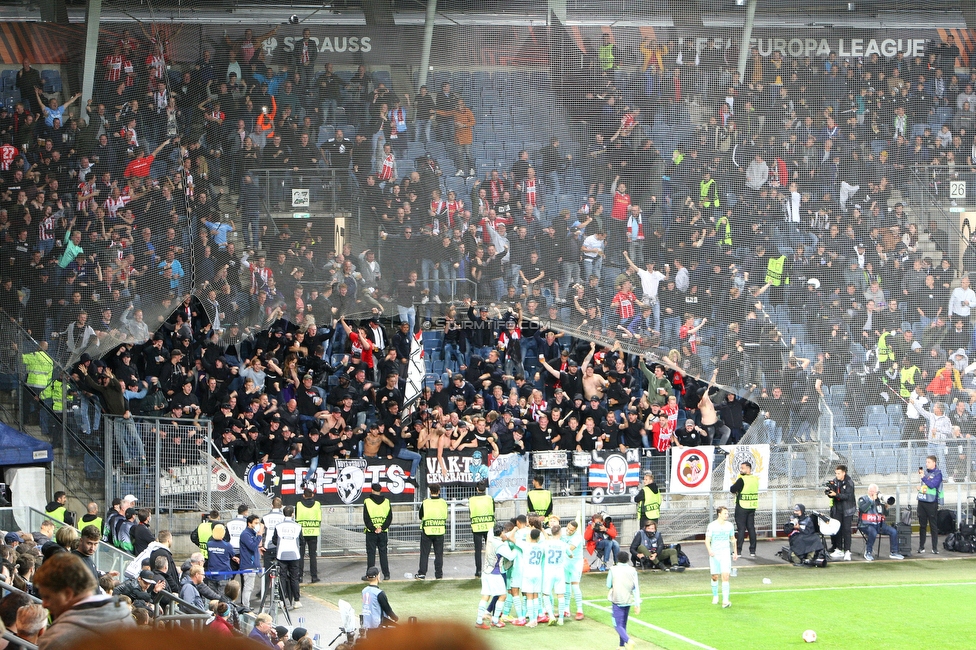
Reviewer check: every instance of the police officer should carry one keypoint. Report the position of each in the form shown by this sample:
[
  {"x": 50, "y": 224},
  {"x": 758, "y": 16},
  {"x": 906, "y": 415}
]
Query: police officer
[
  {"x": 481, "y": 508},
  {"x": 287, "y": 541},
  {"x": 309, "y": 516},
  {"x": 746, "y": 491},
  {"x": 648, "y": 500},
  {"x": 539, "y": 500},
  {"x": 377, "y": 517},
  {"x": 433, "y": 522}
]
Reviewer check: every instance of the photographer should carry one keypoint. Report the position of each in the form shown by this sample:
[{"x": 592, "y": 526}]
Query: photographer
[
  {"x": 649, "y": 551},
  {"x": 376, "y": 608},
  {"x": 873, "y": 511},
  {"x": 804, "y": 541},
  {"x": 842, "y": 508},
  {"x": 601, "y": 538}
]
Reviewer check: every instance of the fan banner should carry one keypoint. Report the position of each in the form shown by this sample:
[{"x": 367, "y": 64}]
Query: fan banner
[
  {"x": 691, "y": 470},
  {"x": 465, "y": 467},
  {"x": 508, "y": 477},
  {"x": 348, "y": 481},
  {"x": 614, "y": 476},
  {"x": 757, "y": 455}
]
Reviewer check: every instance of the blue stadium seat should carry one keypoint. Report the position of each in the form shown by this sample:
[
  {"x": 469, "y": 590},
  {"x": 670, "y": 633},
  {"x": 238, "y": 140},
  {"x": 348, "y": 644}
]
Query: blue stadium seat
[
  {"x": 869, "y": 433},
  {"x": 877, "y": 419},
  {"x": 894, "y": 410},
  {"x": 919, "y": 129},
  {"x": 864, "y": 462},
  {"x": 797, "y": 468},
  {"x": 437, "y": 366},
  {"x": 846, "y": 434},
  {"x": 875, "y": 408},
  {"x": 838, "y": 391}
]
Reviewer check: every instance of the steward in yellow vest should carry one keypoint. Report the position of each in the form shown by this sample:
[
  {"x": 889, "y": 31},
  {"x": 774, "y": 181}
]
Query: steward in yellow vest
[
  {"x": 746, "y": 489},
  {"x": 377, "y": 517},
  {"x": 608, "y": 59},
  {"x": 308, "y": 515},
  {"x": 648, "y": 500},
  {"x": 433, "y": 524},
  {"x": 481, "y": 508}
]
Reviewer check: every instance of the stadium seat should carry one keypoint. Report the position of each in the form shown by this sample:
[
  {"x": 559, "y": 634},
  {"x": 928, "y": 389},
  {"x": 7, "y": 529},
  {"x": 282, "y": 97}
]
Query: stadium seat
[
  {"x": 846, "y": 434},
  {"x": 890, "y": 433},
  {"x": 797, "y": 468},
  {"x": 869, "y": 433},
  {"x": 864, "y": 462},
  {"x": 894, "y": 410},
  {"x": 877, "y": 420},
  {"x": 875, "y": 408},
  {"x": 325, "y": 133}
]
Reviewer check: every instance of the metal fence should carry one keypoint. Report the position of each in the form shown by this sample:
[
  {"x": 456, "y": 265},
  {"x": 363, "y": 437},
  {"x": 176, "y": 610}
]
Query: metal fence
[
  {"x": 795, "y": 475},
  {"x": 171, "y": 465}
]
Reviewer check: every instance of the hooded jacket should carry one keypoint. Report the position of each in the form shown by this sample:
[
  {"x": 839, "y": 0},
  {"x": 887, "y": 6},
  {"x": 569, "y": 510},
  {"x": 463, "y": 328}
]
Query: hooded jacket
[{"x": 94, "y": 615}]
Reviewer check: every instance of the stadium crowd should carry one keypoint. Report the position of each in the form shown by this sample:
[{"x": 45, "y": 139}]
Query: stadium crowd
[
  {"x": 57, "y": 595},
  {"x": 768, "y": 256}
]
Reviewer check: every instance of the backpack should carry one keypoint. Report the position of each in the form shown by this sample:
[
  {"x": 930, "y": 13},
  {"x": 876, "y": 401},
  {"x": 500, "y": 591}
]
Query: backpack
[
  {"x": 946, "y": 522},
  {"x": 683, "y": 559},
  {"x": 906, "y": 516}
]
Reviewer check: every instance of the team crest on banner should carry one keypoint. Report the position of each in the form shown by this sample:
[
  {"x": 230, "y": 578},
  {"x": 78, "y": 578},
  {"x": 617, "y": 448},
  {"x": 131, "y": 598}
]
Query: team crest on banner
[
  {"x": 691, "y": 471},
  {"x": 348, "y": 482},
  {"x": 262, "y": 477},
  {"x": 614, "y": 477},
  {"x": 757, "y": 455}
]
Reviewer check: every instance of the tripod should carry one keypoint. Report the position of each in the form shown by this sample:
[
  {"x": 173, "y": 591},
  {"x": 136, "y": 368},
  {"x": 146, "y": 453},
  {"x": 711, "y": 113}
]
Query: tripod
[{"x": 275, "y": 593}]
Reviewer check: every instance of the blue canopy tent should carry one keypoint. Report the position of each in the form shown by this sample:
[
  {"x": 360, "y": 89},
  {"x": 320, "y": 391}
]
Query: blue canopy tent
[{"x": 18, "y": 448}]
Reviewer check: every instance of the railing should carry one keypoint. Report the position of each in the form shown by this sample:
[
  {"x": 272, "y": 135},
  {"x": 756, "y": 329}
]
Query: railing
[
  {"x": 188, "y": 616},
  {"x": 5, "y": 587},
  {"x": 931, "y": 194},
  {"x": 143, "y": 459},
  {"x": 62, "y": 430},
  {"x": 795, "y": 474}
]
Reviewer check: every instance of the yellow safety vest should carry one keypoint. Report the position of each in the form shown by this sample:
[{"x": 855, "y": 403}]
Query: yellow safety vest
[
  {"x": 96, "y": 522},
  {"x": 907, "y": 376},
  {"x": 53, "y": 393},
  {"x": 482, "y": 510},
  {"x": 727, "y": 239},
  {"x": 651, "y": 506},
  {"x": 435, "y": 517},
  {"x": 541, "y": 500},
  {"x": 378, "y": 512},
  {"x": 606, "y": 56},
  {"x": 310, "y": 519},
  {"x": 706, "y": 188},
  {"x": 204, "y": 532},
  {"x": 57, "y": 514},
  {"x": 774, "y": 271},
  {"x": 885, "y": 352},
  {"x": 749, "y": 497},
  {"x": 40, "y": 369}
]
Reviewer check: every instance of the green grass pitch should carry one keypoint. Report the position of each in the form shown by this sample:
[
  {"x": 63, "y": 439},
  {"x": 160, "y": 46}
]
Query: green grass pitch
[{"x": 850, "y": 606}]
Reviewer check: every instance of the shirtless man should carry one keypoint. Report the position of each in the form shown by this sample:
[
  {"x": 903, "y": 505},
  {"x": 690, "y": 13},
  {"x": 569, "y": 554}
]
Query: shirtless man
[{"x": 593, "y": 384}]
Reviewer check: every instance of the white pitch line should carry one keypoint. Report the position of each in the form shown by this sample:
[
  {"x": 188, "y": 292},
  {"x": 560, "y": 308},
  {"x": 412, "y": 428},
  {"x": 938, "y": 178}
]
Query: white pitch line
[
  {"x": 786, "y": 591},
  {"x": 653, "y": 627}
]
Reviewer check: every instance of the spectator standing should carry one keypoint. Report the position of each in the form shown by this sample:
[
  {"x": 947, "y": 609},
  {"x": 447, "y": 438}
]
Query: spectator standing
[{"x": 70, "y": 593}]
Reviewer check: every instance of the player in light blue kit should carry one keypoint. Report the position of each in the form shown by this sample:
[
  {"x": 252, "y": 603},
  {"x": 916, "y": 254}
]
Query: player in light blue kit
[
  {"x": 492, "y": 582},
  {"x": 518, "y": 539},
  {"x": 721, "y": 553},
  {"x": 574, "y": 567},
  {"x": 554, "y": 576},
  {"x": 533, "y": 558}
]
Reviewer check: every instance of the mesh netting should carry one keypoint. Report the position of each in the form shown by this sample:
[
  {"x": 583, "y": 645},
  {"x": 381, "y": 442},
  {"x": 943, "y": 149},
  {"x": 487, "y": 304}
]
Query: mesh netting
[{"x": 784, "y": 223}]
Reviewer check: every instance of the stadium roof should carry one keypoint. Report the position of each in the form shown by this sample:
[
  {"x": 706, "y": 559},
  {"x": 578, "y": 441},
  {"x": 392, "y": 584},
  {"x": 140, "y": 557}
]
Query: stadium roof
[{"x": 879, "y": 14}]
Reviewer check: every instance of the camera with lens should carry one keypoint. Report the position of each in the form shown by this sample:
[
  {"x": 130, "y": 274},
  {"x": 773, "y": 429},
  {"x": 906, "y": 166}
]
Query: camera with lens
[
  {"x": 831, "y": 486},
  {"x": 887, "y": 500}
]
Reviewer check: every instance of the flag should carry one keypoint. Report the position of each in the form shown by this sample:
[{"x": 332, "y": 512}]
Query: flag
[
  {"x": 416, "y": 370},
  {"x": 756, "y": 455},
  {"x": 691, "y": 470}
]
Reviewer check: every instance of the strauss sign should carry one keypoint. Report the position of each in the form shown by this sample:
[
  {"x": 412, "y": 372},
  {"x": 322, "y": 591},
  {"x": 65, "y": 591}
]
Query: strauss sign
[{"x": 332, "y": 43}]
